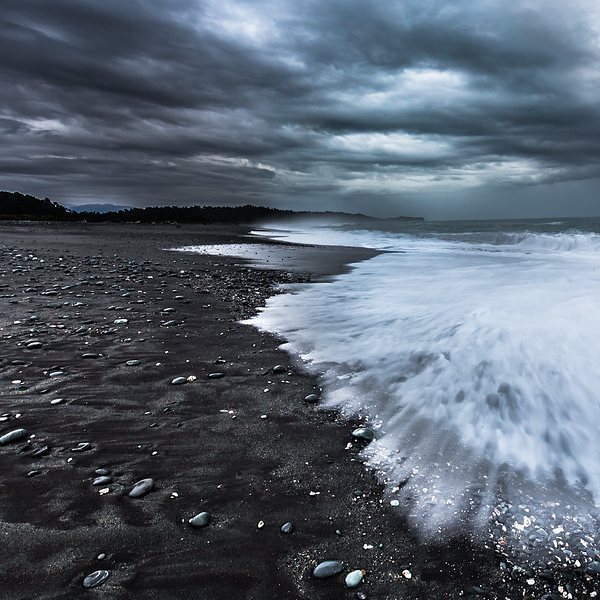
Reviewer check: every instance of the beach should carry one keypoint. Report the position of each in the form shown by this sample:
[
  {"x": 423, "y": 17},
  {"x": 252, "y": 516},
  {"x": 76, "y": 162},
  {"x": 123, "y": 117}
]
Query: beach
[{"x": 235, "y": 438}]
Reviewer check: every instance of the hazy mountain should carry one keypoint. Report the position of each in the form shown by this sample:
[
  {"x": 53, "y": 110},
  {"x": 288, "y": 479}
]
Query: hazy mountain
[{"x": 98, "y": 208}]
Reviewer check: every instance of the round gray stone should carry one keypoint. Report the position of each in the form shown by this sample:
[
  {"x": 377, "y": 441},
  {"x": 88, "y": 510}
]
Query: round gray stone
[
  {"x": 13, "y": 436},
  {"x": 354, "y": 578},
  {"x": 328, "y": 568},
  {"x": 96, "y": 578},
  {"x": 363, "y": 433},
  {"x": 287, "y": 527},
  {"x": 141, "y": 488},
  {"x": 102, "y": 480},
  {"x": 200, "y": 520}
]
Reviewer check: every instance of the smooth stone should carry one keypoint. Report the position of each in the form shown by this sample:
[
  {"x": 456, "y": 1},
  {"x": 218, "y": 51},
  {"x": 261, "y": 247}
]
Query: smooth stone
[
  {"x": 96, "y": 578},
  {"x": 34, "y": 345},
  {"x": 103, "y": 480},
  {"x": 91, "y": 355},
  {"x": 354, "y": 578},
  {"x": 141, "y": 488},
  {"x": 593, "y": 568},
  {"x": 326, "y": 569},
  {"x": 120, "y": 321},
  {"x": 287, "y": 527},
  {"x": 101, "y": 556},
  {"x": 216, "y": 375},
  {"x": 200, "y": 520},
  {"x": 13, "y": 436},
  {"x": 133, "y": 363},
  {"x": 56, "y": 373},
  {"x": 363, "y": 433},
  {"x": 311, "y": 399},
  {"x": 178, "y": 381},
  {"x": 41, "y": 451},
  {"x": 34, "y": 473},
  {"x": 280, "y": 369},
  {"x": 102, "y": 471}
]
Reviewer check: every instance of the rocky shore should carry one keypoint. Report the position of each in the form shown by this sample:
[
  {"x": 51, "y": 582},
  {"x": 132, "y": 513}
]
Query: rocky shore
[{"x": 151, "y": 446}]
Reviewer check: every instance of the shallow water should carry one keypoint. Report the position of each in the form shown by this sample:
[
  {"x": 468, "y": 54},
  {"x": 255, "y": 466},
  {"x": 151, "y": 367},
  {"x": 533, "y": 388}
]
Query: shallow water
[{"x": 473, "y": 349}]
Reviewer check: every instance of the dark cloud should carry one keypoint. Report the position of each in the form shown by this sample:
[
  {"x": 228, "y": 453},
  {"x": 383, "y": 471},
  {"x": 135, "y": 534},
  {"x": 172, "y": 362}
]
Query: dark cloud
[{"x": 346, "y": 103}]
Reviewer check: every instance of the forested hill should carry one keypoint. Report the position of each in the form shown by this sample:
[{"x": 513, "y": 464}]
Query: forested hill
[
  {"x": 21, "y": 206},
  {"x": 15, "y": 206}
]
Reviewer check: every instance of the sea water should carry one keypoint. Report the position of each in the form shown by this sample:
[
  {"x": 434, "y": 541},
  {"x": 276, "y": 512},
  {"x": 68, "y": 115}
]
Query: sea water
[{"x": 473, "y": 350}]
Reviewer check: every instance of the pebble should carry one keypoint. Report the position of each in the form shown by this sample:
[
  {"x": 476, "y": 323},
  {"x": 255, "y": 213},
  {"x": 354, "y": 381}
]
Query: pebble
[
  {"x": 120, "y": 321},
  {"x": 328, "y": 568},
  {"x": 279, "y": 369},
  {"x": 91, "y": 355},
  {"x": 593, "y": 568},
  {"x": 34, "y": 345},
  {"x": 200, "y": 520},
  {"x": 311, "y": 398},
  {"x": 13, "y": 436},
  {"x": 41, "y": 451},
  {"x": 178, "y": 381},
  {"x": 102, "y": 480},
  {"x": 101, "y": 556},
  {"x": 216, "y": 375},
  {"x": 287, "y": 527},
  {"x": 363, "y": 433},
  {"x": 354, "y": 578},
  {"x": 141, "y": 488},
  {"x": 133, "y": 363},
  {"x": 96, "y": 578},
  {"x": 102, "y": 471}
]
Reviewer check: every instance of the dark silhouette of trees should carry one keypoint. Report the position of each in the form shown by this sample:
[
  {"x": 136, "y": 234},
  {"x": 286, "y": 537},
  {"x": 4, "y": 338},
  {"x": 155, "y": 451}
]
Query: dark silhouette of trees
[
  {"x": 21, "y": 206},
  {"x": 15, "y": 206}
]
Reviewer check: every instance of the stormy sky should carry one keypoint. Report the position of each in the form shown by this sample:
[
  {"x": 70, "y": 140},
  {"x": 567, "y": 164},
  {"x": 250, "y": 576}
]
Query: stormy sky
[{"x": 441, "y": 108}]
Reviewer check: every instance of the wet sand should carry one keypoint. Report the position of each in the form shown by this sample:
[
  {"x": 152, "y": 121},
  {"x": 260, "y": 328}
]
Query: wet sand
[{"x": 243, "y": 446}]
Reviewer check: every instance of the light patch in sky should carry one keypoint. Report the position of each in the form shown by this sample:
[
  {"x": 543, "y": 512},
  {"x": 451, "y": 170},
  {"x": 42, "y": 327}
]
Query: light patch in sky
[
  {"x": 45, "y": 125},
  {"x": 390, "y": 145},
  {"x": 239, "y": 20}
]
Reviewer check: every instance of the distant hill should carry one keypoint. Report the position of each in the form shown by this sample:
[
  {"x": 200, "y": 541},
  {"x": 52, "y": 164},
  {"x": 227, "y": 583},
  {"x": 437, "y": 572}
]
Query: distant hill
[
  {"x": 17, "y": 206},
  {"x": 21, "y": 206},
  {"x": 98, "y": 208}
]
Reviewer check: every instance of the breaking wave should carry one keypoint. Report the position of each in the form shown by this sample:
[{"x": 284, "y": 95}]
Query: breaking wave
[{"x": 475, "y": 356}]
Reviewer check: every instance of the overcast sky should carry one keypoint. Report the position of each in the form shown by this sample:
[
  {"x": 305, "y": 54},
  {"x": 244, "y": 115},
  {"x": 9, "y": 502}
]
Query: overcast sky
[{"x": 442, "y": 108}]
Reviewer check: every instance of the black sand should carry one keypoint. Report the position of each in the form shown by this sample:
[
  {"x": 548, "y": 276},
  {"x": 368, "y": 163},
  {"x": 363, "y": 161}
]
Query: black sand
[{"x": 292, "y": 465}]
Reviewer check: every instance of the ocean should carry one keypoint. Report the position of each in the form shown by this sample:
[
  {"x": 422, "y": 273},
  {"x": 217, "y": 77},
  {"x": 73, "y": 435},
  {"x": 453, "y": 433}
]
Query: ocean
[{"x": 473, "y": 351}]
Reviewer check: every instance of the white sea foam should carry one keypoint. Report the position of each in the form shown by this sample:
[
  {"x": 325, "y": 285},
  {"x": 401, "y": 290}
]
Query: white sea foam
[{"x": 477, "y": 358}]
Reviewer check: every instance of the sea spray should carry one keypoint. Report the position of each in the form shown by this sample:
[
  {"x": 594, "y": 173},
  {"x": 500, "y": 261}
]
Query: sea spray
[{"x": 476, "y": 357}]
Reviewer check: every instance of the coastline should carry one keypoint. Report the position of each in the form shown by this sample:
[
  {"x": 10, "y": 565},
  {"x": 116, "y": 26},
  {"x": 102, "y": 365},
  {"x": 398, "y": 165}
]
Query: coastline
[{"x": 280, "y": 459}]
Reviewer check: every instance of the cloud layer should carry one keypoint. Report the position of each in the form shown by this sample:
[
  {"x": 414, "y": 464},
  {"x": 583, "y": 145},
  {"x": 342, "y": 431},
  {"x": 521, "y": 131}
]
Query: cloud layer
[{"x": 345, "y": 103}]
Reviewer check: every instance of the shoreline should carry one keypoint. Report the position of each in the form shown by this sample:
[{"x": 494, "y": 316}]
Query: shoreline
[{"x": 272, "y": 459}]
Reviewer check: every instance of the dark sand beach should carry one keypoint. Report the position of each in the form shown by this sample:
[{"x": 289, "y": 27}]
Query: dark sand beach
[{"x": 77, "y": 302}]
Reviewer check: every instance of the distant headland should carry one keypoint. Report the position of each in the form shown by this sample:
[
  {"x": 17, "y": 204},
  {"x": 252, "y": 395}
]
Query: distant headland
[{"x": 16, "y": 206}]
